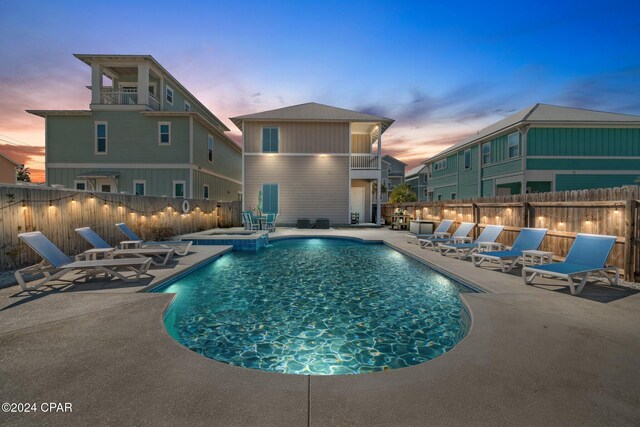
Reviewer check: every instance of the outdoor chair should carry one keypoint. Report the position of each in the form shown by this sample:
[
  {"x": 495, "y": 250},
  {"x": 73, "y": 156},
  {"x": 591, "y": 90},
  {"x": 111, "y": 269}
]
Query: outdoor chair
[
  {"x": 528, "y": 239},
  {"x": 249, "y": 222},
  {"x": 163, "y": 255},
  {"x": 432, "y": 242},
  {"x": 270, "y": 222},
  {"x": 588, "y": 255},
  {"x": 463, "y": 250},
  {"x": 181, "y": 247},
  {"x": 55, "y": 264},
  {"x": 440, "y": 231}
]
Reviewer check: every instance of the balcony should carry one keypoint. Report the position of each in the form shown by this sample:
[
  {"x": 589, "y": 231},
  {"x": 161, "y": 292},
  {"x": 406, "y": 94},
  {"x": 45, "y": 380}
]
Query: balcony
[
  {"x": 367, "y": 161},
  {"x": 110, "y": 96}
]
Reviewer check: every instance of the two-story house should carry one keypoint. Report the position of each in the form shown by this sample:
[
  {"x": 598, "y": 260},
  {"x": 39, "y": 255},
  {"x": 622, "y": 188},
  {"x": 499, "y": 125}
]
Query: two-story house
[
  {"x": 392, "y": 175},
  {"x": 313, "y": 161},
  {"x": 144, "y": 134},
  {"x": 540, "y": 149},
  {"x": 417, "y": 179}
]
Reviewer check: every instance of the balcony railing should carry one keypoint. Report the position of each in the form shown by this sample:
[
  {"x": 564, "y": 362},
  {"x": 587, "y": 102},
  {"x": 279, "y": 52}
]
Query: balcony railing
[
  {"x": 125, "y": 97},
  {"x": 364, "y": 161}
]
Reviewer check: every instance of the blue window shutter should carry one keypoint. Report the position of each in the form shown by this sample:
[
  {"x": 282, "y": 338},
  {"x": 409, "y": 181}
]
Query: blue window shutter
[
  {"x": 274, "y": 198},
  {"x": 270, "y": 198},
  {"x": 274, "y": 140},
  {"x": 266, "y": 192},
  {"x": 266, "y": 140}
]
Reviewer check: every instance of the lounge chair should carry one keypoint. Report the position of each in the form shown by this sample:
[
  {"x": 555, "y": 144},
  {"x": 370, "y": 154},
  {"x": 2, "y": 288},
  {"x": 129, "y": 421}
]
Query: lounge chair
[
  {"x": 587, "y": 255},
  {"x": 462, "y": 231},
  {"x": 528, "y": 239},
  {"x": 441, "y": 231},
  {"x": 164, "y": 255},
  {"x": 56, "y": 264},
  {"x": 182, "y": 248},
  {"x": 463, "y": 250}
]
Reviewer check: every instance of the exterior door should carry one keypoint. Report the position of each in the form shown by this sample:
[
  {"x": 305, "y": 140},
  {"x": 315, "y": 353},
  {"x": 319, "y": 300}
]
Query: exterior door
[{"x": 357, "y": 202}]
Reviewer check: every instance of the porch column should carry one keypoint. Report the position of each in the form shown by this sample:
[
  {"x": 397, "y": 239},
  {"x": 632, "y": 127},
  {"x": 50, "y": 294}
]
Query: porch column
[
  {"x": 96, "y": 83},
  {"x": 143, "y": 84},
  {"x": 379, "y": 192},
  {"x": 378, "y": 210}
]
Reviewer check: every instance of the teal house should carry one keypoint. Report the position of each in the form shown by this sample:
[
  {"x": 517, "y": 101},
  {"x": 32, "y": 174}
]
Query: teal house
[
  {"x": 417, "y": 179},
  {"x": 539, "y": 149},
  {"x": 392, "y": 175},
  {"x": 144, "y": 133}
]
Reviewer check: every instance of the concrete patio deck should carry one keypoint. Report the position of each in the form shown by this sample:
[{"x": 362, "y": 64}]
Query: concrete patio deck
[{"x": 534, "y": 356}]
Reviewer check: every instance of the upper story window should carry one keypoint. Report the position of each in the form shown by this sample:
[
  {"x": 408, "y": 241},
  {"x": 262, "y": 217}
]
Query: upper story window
[
  {"x": 169, "y": 92},
  {"x": 440, "y": 164},
  {"x": 205, "y": 192},
  {"x": 164, "y": 133},
  {"x": 467, "y": 158},
  {"x": 486, "y": 153},
  {"x": 514, "y": 145},
  {"x": 101, "y": 137},
  {"x": 210, "y": 148},
  {"x": 426, "y": 178},
  {"x": 187, "y": 106},
  {"x": 270, "y": 140}
]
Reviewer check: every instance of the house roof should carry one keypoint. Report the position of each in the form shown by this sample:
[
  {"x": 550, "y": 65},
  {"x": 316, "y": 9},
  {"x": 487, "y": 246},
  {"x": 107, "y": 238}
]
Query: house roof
[
  {"x": 312, "y": 111},
  {"x": 542, "y": 113},
  {"x": 88, "y": 59},
  {"x": 11, "y": 160},
  {"x": 388, "y": 156},
  {"x": 415, "y": 171}
]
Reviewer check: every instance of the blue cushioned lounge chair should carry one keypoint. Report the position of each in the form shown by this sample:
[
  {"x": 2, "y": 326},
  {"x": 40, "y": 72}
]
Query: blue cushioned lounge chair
[
  {"x": 463, "y": 250},
  {"x": 528, "y": 239},
  {"x": 462, "y": 231},
  {"x": 163, "y": 255},
  {"x": 440, "y": 231},
  {"x": 182, "y": 248},
  {"x": 56, "y": 264},
  {"x": 587, "y": 255}
]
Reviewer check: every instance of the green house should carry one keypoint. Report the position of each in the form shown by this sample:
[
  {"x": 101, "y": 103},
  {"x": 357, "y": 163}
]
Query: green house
[
  {"x": 144, "y": 134},
  {"x": 539, "y": 149}
]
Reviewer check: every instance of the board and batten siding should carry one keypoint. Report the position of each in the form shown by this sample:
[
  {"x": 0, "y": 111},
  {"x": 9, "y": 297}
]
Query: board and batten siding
[
  {"x": 360, "y": 143},
  {"x": 300, "y": 137},
  {"x": 309, "y": 186},
  {"x": 131, "y": 138},
  {"x": 468, "y": 178},
  {"x": 7, "y": 171},
  {"x": 583, "y": 142},
  {"x": 227, "y": 160},
  {"x": 219, "y": 189}
]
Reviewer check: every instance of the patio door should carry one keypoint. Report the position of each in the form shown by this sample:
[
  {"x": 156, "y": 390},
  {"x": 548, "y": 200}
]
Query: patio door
[{"x": 357, "y": 202}]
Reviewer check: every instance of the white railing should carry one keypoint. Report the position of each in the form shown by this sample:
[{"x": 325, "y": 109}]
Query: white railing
[
  {"x": 110, "y": 96},
  {"x": 364, "y": 161},
  {"x": 154, "y": 102}
]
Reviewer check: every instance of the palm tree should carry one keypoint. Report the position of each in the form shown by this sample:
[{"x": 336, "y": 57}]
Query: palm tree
[
  {"x": 24, "y": 174},
  {"x": 403, "y": 194}
]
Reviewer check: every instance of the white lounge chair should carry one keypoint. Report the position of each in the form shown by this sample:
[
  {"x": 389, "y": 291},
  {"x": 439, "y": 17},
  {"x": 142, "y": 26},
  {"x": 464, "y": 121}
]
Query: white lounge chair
[
  {"x": 463, "y": 250},
  {"x": 163, "y": 255},
  {"x": 440, "y": 231},
  {"x": 528, "y": 239},
  {"x": 56, "y": 264},
  {"x": 588, "y": 255},
  {"x": 433, "y": 242},
  {"x": 181, "y": 247}
]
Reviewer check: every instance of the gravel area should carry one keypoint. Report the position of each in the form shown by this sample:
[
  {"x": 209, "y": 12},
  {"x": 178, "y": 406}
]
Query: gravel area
[{"x": 7, "y": 278}]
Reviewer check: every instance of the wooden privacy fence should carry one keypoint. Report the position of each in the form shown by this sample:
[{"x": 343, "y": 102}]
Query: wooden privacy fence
[
  {"x": 612, "y": 211},
  {"x": 57, "y": 213}
]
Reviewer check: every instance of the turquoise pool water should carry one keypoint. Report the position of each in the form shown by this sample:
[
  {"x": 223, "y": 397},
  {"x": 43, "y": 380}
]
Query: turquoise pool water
[{"x": 317, "y": 306}]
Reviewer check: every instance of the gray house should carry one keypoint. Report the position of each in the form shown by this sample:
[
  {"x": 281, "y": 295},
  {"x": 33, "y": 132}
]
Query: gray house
[
  {"x": 313, "y": 161},
  {"x": 392, "y": 174},
  {"x": 417, "y": 179},
  {"x": 144, "y": 133}
]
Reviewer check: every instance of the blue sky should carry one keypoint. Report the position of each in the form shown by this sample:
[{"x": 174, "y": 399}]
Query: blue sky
[{"x": 441, "y": 69}]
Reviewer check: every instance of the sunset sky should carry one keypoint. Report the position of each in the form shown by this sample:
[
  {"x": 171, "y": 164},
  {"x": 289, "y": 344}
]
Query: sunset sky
[{"x": 442, "y": 70}]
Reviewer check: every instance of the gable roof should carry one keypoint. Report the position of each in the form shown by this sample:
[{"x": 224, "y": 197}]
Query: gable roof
[
  {"x": 415, "y": 171},
  {"x": 312, "y": 111},
  {"x": 542, "y": 113},
  {"x": 393, "y": 159},
  {"x": 11, "y": 160}
]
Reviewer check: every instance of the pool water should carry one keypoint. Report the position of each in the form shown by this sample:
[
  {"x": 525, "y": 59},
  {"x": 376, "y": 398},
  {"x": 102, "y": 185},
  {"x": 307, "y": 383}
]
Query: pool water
[{"x": 317, "y": 306}]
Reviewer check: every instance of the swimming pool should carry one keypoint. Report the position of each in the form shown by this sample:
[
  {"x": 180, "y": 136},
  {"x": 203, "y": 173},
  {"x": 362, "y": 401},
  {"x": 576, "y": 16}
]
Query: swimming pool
[{"x": 317, "y": 306}]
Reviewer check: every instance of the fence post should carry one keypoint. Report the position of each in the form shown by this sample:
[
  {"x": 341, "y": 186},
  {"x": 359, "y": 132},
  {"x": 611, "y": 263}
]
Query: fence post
[
  {"x": 526, "y": 214},
  {"x": 629, "y": 239},
  {"x": 475, "y": 213}
]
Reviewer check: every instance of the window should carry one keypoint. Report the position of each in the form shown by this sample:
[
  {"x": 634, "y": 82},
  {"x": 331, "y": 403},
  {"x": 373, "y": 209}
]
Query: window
[
  {"x": 105, "y": 188},
  {"x": 467, "y": 158},
  {"x": 187, "y": 106},
  {"x": 210, "y": 148},
  {"x": 439, "y": 196},
  {"x": 169, "y": 95},
  {"x": 425, "y": 192},
  {"x": 270, "y": 140},
  {"x": 178, "y": 189},
  {"x": 440, "y": 164},
  {"x": 101, "y": 137},
  {"x": 164, "y": 133},
  {"x": 139, "y": 187},
  {"x": 270, "y": 198},
  {"x": 205, "y": 192},
  {"x": 80, "y": 185},
  {"x": 514, "y": 144},
  {"x": 453, "y": 196},
  {"x": 486, "y": 153},
  {"x": 426, "y": 178}
]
